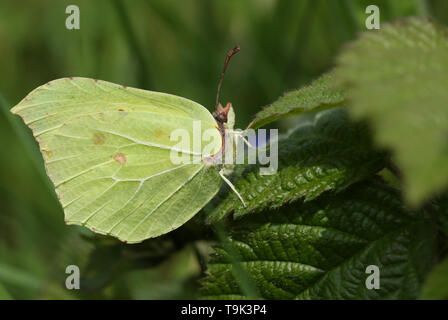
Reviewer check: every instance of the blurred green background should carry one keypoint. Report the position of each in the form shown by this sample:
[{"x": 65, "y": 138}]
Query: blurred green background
[{"x": 172, "y": 46}]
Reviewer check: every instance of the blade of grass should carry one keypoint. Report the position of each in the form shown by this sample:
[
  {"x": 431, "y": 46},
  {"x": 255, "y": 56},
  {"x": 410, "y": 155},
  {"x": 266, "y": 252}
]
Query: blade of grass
[
  {"x": 28, "y": 144},
  {"x": 4, "y": 294},
  {"x": 244, "y": 281},
  {"x": 423, "y": 8},
  {"x": 134, "y": 45},
  {"x": 13, "y": 276}
]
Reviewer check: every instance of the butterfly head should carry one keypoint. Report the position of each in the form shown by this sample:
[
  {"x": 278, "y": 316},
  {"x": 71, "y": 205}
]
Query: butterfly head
[
  {"x": 221, "y": 114},
  {"x": 225, "y": 116}
]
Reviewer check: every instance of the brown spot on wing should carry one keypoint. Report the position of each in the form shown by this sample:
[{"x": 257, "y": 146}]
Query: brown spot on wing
[
  {"x": 98, "y": 138},
  {"x": 122, "y": 112},
  {"x": 120, "y": 158},
  {"x": 159, "y": 133}
]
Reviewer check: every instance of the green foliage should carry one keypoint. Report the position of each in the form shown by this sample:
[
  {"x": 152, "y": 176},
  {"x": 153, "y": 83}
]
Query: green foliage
[
  {"x": 441, "y": 207},
  {"x": 320, "y": 249},
  {"x": 109, "y": 259},
  {"x": 319, "y": 95},
  {"x": 285, "y": 44},
  {"x": 325, "y": 152},
  {"x": 396, "y": 78},
  {"x": 436, "y": 285},
  {"x": 4, "y": 295}
]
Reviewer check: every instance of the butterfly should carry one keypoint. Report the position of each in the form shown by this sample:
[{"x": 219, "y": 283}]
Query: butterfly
[{"x": 107, "y": 149}]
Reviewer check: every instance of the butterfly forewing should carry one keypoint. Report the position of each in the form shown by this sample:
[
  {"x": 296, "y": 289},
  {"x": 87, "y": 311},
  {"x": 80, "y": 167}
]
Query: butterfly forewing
[{"x": 107, "y": 150}]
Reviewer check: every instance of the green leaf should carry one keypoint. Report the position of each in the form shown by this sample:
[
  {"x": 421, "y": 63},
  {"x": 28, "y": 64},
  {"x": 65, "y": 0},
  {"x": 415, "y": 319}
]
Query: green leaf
[
  {"x": 321, "y": 249},
  {"x": 325, "y": 152},
  {"x": 436, "y": 285},
  {"x": 321, "y": 94},
  {"x": 396, "y": 78},
  {"x": 441, "y": 209}
]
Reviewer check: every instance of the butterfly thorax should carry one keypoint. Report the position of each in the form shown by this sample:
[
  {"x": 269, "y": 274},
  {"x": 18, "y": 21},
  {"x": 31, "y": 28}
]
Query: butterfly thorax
[{"x": 225, "y": 119}]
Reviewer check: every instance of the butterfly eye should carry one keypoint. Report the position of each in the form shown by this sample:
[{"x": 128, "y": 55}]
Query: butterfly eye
[
  {"x": 223, "y": 117},
  {"x": 220, "y": 117}
]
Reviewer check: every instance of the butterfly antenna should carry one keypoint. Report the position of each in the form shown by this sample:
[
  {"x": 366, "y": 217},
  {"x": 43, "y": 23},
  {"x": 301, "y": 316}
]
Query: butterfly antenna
[{"x": 226, "y": 62}]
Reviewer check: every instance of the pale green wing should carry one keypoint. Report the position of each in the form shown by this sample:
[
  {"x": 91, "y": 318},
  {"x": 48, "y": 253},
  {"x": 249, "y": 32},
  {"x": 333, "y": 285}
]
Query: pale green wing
[{"x": 107, "y": 150}]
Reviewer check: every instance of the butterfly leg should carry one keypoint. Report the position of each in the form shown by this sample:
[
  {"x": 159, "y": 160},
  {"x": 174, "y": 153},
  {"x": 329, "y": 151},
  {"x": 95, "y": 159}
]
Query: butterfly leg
[
  {"x": 249, "y": 145},
  {"x": 221, "y": 173}
]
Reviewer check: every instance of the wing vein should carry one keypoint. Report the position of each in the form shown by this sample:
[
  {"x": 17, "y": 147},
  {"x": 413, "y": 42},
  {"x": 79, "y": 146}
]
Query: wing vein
[
  {"x": 82, "y": 172},
  {"x": 149, "y": 144},
  {"x": 166, "y": 199}
]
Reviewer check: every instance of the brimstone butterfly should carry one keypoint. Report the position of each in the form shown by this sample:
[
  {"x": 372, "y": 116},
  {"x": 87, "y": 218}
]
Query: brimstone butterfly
[{"x": 107, "y": 149}]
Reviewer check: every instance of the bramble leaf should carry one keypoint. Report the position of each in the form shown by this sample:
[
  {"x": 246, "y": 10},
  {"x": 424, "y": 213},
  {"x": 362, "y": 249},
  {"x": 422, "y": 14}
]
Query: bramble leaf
[
  {"x": 436, "y": 285},
  {"x": 396, "y": 79},
  {"x": 319, "y": 95},
  {"x": 321, "y": 249},
  {"x": 325, "y": 152}
]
